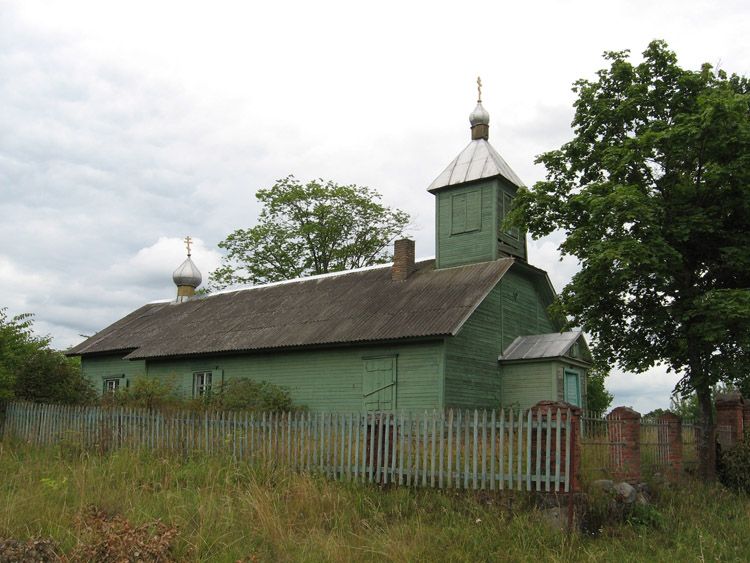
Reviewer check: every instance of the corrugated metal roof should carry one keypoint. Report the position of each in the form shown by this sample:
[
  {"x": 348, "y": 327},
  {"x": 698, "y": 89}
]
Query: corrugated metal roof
[
  {"x": 537, "y": 346},
  {"x": 351, "y": 307},
  {"x": 478, "y": 160}
]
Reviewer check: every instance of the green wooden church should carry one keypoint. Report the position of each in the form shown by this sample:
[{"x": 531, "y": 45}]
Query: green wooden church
[{"x": 469, "y": 329}]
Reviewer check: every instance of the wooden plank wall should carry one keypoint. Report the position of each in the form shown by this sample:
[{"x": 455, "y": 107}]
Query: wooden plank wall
[{"x": 454, "y": 449}]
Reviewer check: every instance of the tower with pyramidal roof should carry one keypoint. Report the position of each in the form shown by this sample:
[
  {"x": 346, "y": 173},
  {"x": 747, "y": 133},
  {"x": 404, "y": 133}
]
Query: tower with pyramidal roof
[{"x": 473, "y": 195}]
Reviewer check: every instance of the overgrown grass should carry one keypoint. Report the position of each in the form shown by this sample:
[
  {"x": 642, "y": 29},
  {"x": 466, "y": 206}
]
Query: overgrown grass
[{"x": 226, "y": 511}]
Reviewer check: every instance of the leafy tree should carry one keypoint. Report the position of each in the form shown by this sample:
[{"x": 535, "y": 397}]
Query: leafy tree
[
  {"x": 307, "y": 229},
  {"x": 653, "y": 195},
  {"x": 32, "y": 371}
]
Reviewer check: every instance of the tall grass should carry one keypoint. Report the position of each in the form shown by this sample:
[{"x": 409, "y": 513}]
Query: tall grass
[{"x": 228, "y": 511}]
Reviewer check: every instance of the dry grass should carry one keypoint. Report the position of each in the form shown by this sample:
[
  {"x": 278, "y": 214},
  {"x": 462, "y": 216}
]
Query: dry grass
[{"x": 225, "y": 511}]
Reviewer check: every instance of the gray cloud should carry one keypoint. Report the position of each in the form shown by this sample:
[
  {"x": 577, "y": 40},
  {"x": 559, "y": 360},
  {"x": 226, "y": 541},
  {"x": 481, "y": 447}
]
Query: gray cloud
[{"x": 121, "y": 132}]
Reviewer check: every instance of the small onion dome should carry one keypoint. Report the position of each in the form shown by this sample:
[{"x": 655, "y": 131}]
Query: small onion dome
[
  {"x": 187, "y": 274},
  {"x": 479, "y": 116}
]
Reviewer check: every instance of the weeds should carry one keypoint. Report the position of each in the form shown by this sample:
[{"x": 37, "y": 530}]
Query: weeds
[{"x": 212, "y": 509}]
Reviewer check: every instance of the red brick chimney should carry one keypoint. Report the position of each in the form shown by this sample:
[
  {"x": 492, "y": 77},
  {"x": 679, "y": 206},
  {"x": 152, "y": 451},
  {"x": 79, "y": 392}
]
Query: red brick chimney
[{"x": 403, "y": 259}]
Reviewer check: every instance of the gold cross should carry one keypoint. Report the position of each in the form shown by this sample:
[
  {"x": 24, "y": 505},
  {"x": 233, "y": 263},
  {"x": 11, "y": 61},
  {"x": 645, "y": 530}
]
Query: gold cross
[
  {"x": 188, "y": 241},
  {"x": 479, "y": 89}
]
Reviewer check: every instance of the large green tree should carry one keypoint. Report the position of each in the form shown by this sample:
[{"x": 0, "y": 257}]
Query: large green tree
[
  {"x": 652, "y": 195},
  {"x": 307, "y": 229}
]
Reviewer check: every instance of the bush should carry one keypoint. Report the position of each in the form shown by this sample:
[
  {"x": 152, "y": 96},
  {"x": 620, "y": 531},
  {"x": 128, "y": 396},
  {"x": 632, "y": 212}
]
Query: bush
[
  {"x": 734, "y": 465},
  {"x": 48, "y": 376},
  {"x": 147, "y": 392},
  {"x": 247, "y": 394}
]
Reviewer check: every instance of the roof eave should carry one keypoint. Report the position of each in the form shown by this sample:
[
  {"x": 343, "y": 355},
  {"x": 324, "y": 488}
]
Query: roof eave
[
  {"x": 296, "y": 347},
  {"x": 576, "y": 361}
]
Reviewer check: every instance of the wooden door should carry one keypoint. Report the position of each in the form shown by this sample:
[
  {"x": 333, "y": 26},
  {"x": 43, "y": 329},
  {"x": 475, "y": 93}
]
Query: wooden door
[
  {"x": 379, "y": 383},
  {"x": 572, "y": 388}
]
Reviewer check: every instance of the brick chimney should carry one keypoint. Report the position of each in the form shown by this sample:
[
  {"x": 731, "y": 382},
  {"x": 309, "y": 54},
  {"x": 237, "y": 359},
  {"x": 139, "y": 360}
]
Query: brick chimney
[{"x": 403, "y": 259}]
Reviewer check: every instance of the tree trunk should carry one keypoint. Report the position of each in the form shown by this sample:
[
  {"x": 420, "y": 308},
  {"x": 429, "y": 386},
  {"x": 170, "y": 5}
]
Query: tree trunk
[{"x": 706, "y": 436}]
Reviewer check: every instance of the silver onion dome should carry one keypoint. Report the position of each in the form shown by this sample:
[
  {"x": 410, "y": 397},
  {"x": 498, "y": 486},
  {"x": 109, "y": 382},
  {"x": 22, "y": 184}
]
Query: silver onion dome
[
  {"x": 187, "y": 274},
  {"x": 479, "y": 116}
]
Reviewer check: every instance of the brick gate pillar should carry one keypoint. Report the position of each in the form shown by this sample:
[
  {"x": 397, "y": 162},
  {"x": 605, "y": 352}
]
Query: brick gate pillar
[
  {"x": 674, "y": 443},
  {"x": 624, "y": 426},
  {"x": 729, "y": 419}
]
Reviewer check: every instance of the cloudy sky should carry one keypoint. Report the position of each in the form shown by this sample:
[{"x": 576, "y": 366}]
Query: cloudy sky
[{"x": 125, "y": 126}]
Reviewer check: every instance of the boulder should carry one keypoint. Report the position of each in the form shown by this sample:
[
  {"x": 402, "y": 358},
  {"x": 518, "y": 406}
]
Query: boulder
[{"x": 625, "y": 492}]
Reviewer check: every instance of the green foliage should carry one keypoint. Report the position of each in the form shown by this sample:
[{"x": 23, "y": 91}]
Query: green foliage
[
  {"x": 653, "y": 195},
  {"x": 734, "y": 465},
  {"x": 17, "y": 343},
  {"x": 307, "y": 229},
  {"x": 247, "y": 394},
  {"x": 685, "y": 407},
  {"x": 146, "y": 392},
  {"x": 49, "y": 377},
  {"x": 598, "y": 399},
  {"x": 32, "y": 371}
]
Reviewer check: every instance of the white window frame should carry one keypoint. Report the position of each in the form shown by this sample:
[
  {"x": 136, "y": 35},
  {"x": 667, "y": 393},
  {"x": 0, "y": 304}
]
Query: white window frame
[
  {"x": 202, "y": 382},
  {"x": 111, "y": 385}
]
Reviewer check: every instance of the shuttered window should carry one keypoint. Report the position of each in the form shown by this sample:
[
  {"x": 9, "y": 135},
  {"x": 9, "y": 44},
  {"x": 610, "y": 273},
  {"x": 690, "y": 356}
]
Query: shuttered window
[{"x": 466, "y": 212}]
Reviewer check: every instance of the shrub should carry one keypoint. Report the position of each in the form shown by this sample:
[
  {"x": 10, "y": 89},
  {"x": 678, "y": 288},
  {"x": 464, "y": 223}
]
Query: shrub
[
  {"x": 147, "y": 392},
  {"x": 734, "y": 465},
  {"x": 247, "y": 394},
  {"x": 47, "y": 376}
]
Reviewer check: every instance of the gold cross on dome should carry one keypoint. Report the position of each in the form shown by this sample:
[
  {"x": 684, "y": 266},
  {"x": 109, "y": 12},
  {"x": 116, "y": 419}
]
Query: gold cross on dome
[
  {"x": 188, "y": 241},
  {"x": 479, "y": 89}
]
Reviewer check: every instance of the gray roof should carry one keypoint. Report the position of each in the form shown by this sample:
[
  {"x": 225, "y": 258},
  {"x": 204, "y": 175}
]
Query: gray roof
[
  {"x": 478, "y": 160},
  {"x": 537, "y": 346},
  {"x": 357, "y": 306}
]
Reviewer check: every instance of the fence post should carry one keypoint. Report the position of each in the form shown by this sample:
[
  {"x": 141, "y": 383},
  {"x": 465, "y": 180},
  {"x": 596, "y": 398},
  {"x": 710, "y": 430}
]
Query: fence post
[
  {"x": 729, "y": 418},
  {"x": 571, "y": 461},
  {"x": 746, "y": 417},
  {"x": 625, "y": 436},
  {"x": 674, "y": 444}
]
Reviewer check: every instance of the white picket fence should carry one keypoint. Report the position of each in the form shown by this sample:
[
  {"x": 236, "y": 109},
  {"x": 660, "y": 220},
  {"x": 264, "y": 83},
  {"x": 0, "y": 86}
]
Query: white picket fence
[{"x": 466, "y": 449}]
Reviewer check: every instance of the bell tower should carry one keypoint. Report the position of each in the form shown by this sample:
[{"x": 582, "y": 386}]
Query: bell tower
[{"x": 472, "y": 197}]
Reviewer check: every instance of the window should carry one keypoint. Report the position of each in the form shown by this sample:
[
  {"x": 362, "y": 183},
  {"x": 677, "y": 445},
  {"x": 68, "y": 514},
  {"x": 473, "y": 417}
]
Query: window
[
  {"x": 507, "y": 205},
  {"x": 466, "y": 212},
  {"x": 111, "y": 385},
  {"x": 574, "y": 351},
  {"x": 201, "y": 383}
]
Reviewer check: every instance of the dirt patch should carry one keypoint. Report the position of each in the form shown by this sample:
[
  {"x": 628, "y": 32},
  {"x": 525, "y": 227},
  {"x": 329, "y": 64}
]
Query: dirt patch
[{"x": 102, "y": 537}]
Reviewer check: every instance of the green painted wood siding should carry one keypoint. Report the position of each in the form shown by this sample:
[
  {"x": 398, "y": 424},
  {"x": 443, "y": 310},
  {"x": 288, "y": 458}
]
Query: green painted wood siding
[
  {"x": 325, "y": 379},
  {"x": 526, "y": 384},
  {"x": 513, "y": 308},
  {"x": 466, "y": 224},
  {"x": 98, "y": 368},
  {"x": 524, "y": 311},
  {"x": 472, "y": 378}
]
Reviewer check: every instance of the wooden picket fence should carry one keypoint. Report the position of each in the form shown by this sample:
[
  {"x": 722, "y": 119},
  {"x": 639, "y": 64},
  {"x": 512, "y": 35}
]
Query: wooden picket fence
[{"x": 460, "y": 449}]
